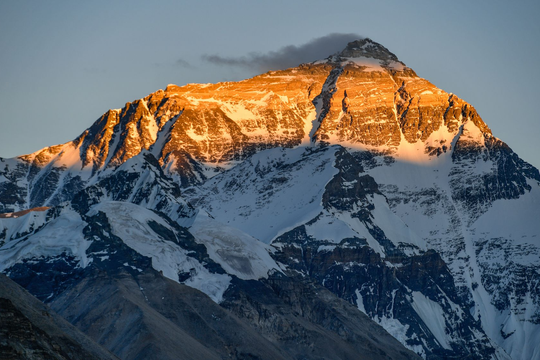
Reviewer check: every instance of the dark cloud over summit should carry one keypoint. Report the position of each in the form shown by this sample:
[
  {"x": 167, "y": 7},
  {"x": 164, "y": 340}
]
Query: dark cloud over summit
[{"x": 288, "y": 56}]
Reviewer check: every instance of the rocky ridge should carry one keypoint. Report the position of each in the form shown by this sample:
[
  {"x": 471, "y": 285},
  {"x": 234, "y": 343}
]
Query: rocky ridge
[{"x": 372, "y": 102}]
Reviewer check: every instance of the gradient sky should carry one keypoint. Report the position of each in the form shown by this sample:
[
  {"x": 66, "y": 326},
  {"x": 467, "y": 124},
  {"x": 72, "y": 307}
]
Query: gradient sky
[{"x": 64, "y": 63}]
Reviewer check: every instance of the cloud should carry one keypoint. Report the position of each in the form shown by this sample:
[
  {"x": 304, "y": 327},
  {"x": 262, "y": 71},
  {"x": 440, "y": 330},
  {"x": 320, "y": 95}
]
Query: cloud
[
  {"x": 183, "y": 63},
  {"x": 288, "y": 56}
]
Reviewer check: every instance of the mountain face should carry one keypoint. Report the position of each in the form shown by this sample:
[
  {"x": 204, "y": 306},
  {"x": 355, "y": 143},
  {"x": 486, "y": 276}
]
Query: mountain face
[
  {"x": 31, "y": 330},
  {"x": 315, "y": 205}
]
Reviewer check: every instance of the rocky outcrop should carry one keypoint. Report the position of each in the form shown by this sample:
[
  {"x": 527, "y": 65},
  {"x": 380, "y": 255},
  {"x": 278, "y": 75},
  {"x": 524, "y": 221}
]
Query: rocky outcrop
[
  {"x": 484, "y": 170},
  {"x": 152, "y": 317},
  {"x": 392, "y": 291}
]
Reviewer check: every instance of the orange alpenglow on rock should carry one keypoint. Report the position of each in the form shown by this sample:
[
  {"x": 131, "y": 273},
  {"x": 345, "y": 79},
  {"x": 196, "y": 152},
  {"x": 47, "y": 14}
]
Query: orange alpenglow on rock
[{"x": 363, "y": 97}]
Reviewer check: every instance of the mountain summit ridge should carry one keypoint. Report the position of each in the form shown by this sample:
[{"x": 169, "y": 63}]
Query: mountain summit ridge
[
  {"x": 369, "y": 49},
  {"x": 400, "y": 98}
]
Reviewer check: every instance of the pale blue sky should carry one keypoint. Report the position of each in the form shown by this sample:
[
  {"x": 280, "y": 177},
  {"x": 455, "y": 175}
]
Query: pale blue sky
[{"x": 64, "y": 63}]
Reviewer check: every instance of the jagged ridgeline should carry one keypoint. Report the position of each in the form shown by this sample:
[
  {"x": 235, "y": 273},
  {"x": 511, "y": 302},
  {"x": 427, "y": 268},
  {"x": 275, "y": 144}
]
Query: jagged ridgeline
[{"x": 345, "y": 208}]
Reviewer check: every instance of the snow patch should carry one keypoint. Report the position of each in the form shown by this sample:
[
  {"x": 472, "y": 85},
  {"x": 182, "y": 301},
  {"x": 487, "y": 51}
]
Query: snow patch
[
  {"x": 269, "y": 192},
  {"x": 432, "y": 315},
  {"x": 360, "y": 302},
  {"x": 130, "y": 222},
  {"x": 394, "y": 228},
  {"x": 63, "y": 234},
  {"x": 238, "y": 253}
]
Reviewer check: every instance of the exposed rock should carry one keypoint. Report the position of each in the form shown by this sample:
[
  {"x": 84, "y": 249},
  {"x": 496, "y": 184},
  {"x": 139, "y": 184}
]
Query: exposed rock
[
  {"x": 31, "y": 330},
  {"x": 152, "y": 317},
  {"x": 367, "y": 48},
  {"x": 309, "y": 321}
]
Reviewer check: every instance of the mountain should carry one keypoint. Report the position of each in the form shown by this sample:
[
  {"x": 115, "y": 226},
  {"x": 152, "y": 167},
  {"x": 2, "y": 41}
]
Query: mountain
[
  {"x": 114, "y": 263},
  {"x": 299, "y": 201},
  {"x": 31, "y": 330}
]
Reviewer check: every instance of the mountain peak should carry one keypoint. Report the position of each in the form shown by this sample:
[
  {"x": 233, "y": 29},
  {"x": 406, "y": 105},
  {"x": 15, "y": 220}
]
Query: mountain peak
[
  {"x": 367, "y": 48},
  {"x": 367, "y": 54}
]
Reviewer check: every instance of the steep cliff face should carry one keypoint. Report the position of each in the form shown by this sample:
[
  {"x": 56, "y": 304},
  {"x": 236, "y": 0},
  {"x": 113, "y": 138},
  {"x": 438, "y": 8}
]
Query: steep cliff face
[{"x": 214, "y": 123}]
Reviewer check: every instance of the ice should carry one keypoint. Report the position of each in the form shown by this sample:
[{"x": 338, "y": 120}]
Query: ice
[
  {"x": 330, "y": 228},
  {"x": 130, "y": 222},
  {"x": 214, "y": 286},
  {"x": 238, "y": 253},
  {"x": 238, "y": 112},
  {"x": 61, "y": 235},
  {"x": 361, "y": 231},
  {"x": 152, "y": 126},
  {"x": 162, "y": 136},
  {"x": 360, "y": 302},
  {"x": 197, "y": 136},
  {"x": 394, "y": 228},
  {"x": 398, "y": 331},
  {"x": 368, "y": 64},
  {"x": 515, "y": 219},
  {"x": 287, "y": 200},
  {"x": 432, "y": 315}
]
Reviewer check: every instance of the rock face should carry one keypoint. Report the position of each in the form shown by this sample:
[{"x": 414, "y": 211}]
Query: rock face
[
  {"x": 341, "y": 233},
  {"x": 350, "y": 181},
  {"x": 31, "y": 330},
  {"x": 310, "y": 321},
  {"x": 133, "y": 265},
  {"x": 363, "y": 97}
]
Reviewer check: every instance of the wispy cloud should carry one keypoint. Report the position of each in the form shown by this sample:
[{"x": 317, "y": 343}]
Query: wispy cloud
[
  {"x": 287, "y": 56},
  {"x": 183, "y": 63}
]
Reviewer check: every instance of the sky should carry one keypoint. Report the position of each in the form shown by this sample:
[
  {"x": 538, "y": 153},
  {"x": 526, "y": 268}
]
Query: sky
[{"x": 64, "y": 63}]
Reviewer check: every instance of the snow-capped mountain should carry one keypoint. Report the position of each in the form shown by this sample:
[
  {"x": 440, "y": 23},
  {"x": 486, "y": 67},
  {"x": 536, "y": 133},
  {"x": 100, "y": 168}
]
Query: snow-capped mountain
[
  {"x": 349, "y": 180},
  {"x": 114, "y": 263}
]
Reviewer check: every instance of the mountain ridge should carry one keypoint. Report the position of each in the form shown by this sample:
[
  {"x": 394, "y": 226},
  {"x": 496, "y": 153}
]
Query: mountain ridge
[
  {"x": 349, "y": 169},
  {"x": 298, "y": 106}
]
